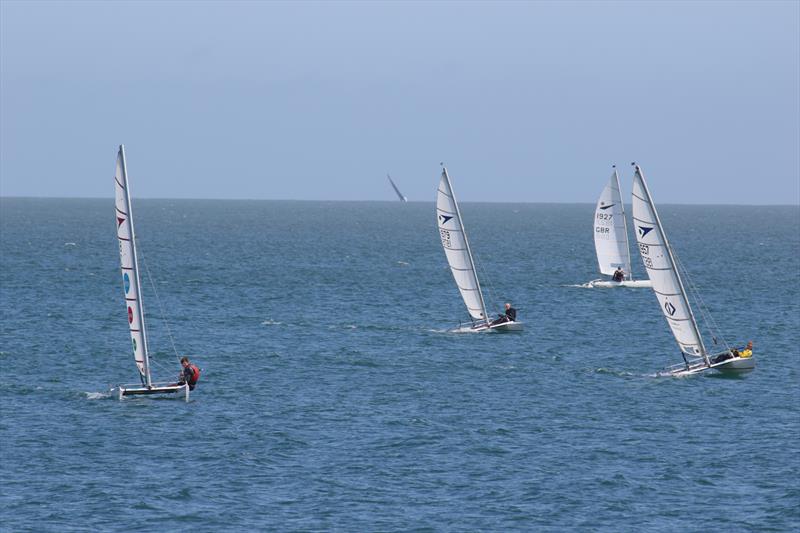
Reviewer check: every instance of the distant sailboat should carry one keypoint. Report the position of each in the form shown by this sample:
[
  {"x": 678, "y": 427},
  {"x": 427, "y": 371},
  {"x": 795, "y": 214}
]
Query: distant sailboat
[
  {"x": 459, "y": 257},
  {"x": 133, "y": 295},
  {"x": 611, "y": 238},
  {"x": 659, "y": 260},
  {"x": 399, "y": 194}
]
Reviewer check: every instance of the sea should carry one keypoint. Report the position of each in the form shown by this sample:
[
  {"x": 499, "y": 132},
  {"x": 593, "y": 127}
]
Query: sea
[{"x": 334, "y": 396}]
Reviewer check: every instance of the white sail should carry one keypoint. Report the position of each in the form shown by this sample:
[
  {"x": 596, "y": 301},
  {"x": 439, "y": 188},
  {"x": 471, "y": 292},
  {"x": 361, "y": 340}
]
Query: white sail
[
  {"x": 456, "y": 248},
  {"x": 661, "y": 268},
  {"x": 396, "y": 190},
  {"x": 130, "y": 268},
  {"x": 611, "y": 230}
]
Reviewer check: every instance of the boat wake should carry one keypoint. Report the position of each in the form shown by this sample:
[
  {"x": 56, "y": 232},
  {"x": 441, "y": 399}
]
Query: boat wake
[
  {"x": 449, "y": 331},
  {"x": 466, "y": 329},
  {"x": 612, "y": 372},
  {"x": 621, "y": 373},
  {"x": 97, "y": 395}
]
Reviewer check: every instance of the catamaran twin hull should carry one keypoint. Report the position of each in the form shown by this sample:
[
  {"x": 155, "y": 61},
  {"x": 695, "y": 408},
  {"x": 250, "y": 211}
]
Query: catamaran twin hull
[
  {"x": 505, "y": 327},
  {"x": 633, "y": 283},
  {"x": 156, "y": 388},
  {"x": 735, "y": 365}
]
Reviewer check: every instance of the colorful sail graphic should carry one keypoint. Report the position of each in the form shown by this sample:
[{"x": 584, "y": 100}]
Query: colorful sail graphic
[{"x": 130, "y": 268}]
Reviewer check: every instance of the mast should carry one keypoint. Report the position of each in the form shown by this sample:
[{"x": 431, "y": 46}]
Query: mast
[
  {"x": 140, "y": 307},
  {"x": 624, "y": 224},
  {"x": 703, "y": 351},
  {"x": 466, "y": 242}
]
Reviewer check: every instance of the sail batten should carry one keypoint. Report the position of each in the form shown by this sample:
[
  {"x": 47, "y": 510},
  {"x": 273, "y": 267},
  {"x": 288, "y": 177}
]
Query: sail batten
[
  {"x": 129, "y": 267},
  {"x": 611, "y": 230},
  {"x": 663, "y": 272},
  {"x": 456, "y": 249}
]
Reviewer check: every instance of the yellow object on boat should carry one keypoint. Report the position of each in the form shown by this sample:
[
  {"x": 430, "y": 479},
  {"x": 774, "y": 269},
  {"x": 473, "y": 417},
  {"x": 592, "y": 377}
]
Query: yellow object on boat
[{"x": 745, "y": 353}]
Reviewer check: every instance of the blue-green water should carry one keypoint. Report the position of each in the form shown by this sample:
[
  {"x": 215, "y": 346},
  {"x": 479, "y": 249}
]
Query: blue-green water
[{"x": 332, "y": 397}]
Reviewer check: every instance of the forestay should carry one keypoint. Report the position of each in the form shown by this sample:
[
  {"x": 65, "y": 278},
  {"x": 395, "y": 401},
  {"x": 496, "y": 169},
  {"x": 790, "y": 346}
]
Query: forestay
[
  {"x": 661, "y": 268},
  {"x": 130, "y": 268},
  {"x": 611, "y": 230},
  {"x": 456, "y": 248}
]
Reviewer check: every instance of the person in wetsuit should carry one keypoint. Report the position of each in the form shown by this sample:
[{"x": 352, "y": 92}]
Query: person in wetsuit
[
  {"x": 619, "y": 275},
  {"x": 509, "y": 316}
]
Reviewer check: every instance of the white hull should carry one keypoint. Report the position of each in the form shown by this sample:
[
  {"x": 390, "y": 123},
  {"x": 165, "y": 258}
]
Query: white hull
[
  {"x": 633, "y": 284},
  {"x": 735, "y": 365},
  {"x": 121, "y": 391},
  {"x": 738, "y": 364},
  {"x": 505, "y": 327}
]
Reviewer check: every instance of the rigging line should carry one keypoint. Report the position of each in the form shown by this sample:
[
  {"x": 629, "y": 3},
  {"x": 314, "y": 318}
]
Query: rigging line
[
  {"x": 710, "y": 323},
  {"x": 160, "y": 305},
  {"x": 158, "y": 364},
  {"x": 708, "y": 319},
  {"x": 488, "y": 282}
]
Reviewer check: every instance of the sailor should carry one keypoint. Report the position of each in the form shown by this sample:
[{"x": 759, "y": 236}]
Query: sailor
[
  {"x": 747, "y": 351},
  {"x": 190, "y": 374},
  {"x": 619, "y": 274},
  {"x": 509, "y": 316}
]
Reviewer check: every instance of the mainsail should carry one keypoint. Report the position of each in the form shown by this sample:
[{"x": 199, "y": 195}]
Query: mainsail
[
  {"x": 399, "y": 194},
  {"x": 456, "y": 248},
  {"x": 661, "y": 268},
  {"x": 130, "y": 268},
  {"x": 611, "y": 230}
]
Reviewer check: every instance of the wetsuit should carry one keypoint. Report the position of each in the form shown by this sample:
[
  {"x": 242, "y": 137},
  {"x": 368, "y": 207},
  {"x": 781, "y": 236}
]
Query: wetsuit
[
  {"x": 619, "y": 276},
  {"x": 510, "y": 316}
]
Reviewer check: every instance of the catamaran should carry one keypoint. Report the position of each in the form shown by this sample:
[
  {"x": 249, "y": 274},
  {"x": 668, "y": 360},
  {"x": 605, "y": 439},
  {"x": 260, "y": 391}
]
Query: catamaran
[
  {"x": 611, "y": 238},
  {"x": 459, "y": 257},
  {"x": 131, "y": 284},
  {"x": 659, "y": 260},
  {"x": 399, "y": 194}
]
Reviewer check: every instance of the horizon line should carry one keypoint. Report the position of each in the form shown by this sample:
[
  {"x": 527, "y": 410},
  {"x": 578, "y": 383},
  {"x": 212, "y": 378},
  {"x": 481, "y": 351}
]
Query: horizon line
[{"x": 432, "y": 201}]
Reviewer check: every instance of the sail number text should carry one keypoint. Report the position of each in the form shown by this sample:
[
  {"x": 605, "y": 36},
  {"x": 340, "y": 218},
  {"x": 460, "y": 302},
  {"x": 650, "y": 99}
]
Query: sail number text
[
  {"x": 645, "y": 249},
  {"x": 445, "y": 238}
]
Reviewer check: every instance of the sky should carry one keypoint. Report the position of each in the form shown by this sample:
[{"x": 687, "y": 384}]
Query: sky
[{"x": 523, "y": 101}]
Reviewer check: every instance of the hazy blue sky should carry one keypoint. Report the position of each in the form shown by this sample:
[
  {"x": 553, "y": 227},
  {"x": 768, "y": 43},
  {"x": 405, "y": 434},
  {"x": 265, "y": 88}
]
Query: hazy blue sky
[{"x": 523, "y": 101}]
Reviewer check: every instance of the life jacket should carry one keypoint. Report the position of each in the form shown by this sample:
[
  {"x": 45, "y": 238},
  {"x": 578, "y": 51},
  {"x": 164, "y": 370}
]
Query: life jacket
[
  {"x": 744, "y": 354},
  {"x": 195, "y": 374}
]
